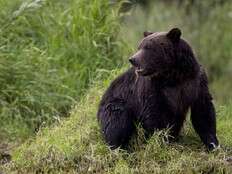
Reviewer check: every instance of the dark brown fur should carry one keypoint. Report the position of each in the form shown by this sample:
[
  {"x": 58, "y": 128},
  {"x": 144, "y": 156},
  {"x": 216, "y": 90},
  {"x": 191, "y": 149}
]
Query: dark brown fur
[{"x": 169, "y": 82}]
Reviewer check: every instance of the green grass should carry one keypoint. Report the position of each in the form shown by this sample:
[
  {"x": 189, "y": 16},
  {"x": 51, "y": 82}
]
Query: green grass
[
  {"x": 49, "y": 52},
  {"x": 75, "y": 145}
]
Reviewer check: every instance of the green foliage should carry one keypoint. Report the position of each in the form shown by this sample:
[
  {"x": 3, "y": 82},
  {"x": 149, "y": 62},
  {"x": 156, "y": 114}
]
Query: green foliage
[
  {"x": 75, "y": 146},
  {"x": 49, "y": 51}
]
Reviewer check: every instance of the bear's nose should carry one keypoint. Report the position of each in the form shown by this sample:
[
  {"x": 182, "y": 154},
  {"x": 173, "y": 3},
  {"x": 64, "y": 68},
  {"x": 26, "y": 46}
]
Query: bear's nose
[{"x": 132, "y": 61}]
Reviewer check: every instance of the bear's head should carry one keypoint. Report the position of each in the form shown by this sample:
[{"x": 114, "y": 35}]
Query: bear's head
[{"x": 164, "y": 54}]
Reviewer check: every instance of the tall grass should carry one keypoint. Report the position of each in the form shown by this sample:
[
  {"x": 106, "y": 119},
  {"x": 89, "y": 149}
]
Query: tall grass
[{"x": 49, "y": 51}]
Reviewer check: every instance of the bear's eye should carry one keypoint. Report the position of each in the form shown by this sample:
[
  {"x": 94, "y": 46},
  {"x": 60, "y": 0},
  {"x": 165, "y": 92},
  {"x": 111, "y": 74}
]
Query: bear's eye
[{"x": 147, "y": 47}]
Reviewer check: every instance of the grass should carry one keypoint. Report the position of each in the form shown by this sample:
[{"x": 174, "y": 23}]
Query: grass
[
  {"x": 76, "y": 146},
  {"x": 49, "y": 52}
]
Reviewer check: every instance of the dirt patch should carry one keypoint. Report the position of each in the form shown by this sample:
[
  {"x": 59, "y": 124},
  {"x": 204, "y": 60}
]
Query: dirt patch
[{"x": 5, "y": 156}]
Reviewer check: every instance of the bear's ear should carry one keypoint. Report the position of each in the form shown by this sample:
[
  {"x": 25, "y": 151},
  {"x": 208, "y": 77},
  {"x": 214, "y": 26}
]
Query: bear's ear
[
  {"x": 147, "y": 33},
  {"x": 174, "y": 35}
]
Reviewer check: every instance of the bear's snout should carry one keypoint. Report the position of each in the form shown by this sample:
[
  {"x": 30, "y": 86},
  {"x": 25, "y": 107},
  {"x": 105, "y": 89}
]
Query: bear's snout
[
  {"x": 132, "y": 60},
  {"x": 135, "y": 59}
]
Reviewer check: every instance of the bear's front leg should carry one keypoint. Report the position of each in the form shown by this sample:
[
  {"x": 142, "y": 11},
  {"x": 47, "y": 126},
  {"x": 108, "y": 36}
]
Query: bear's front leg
[
  {"x": 203, "y": 115},
  {"x": 117, "y": 123}
]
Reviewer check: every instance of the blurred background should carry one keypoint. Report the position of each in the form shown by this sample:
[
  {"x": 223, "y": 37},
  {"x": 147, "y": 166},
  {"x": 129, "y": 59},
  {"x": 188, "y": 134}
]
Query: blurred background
[
  {"x": 206, "y": 25},
  {"x": 52, "y": 51}
]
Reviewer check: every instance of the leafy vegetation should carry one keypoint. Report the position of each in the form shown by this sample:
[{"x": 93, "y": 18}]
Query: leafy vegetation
[{"x": 49, "y": 52}]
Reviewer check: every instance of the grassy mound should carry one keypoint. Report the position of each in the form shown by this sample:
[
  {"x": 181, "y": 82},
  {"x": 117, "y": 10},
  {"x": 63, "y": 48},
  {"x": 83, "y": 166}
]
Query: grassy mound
[{"x": 76, "y": 146}]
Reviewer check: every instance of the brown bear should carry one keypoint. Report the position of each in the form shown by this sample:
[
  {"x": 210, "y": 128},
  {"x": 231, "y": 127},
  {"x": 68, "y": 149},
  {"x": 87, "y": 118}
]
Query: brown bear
[{"x": 164, "y": 82}]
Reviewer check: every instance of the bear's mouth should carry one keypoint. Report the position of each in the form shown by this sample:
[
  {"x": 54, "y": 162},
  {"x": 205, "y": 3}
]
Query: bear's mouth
[
  {"x": 143, "y": 72},
  {"x": 139, "y": 70}
]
